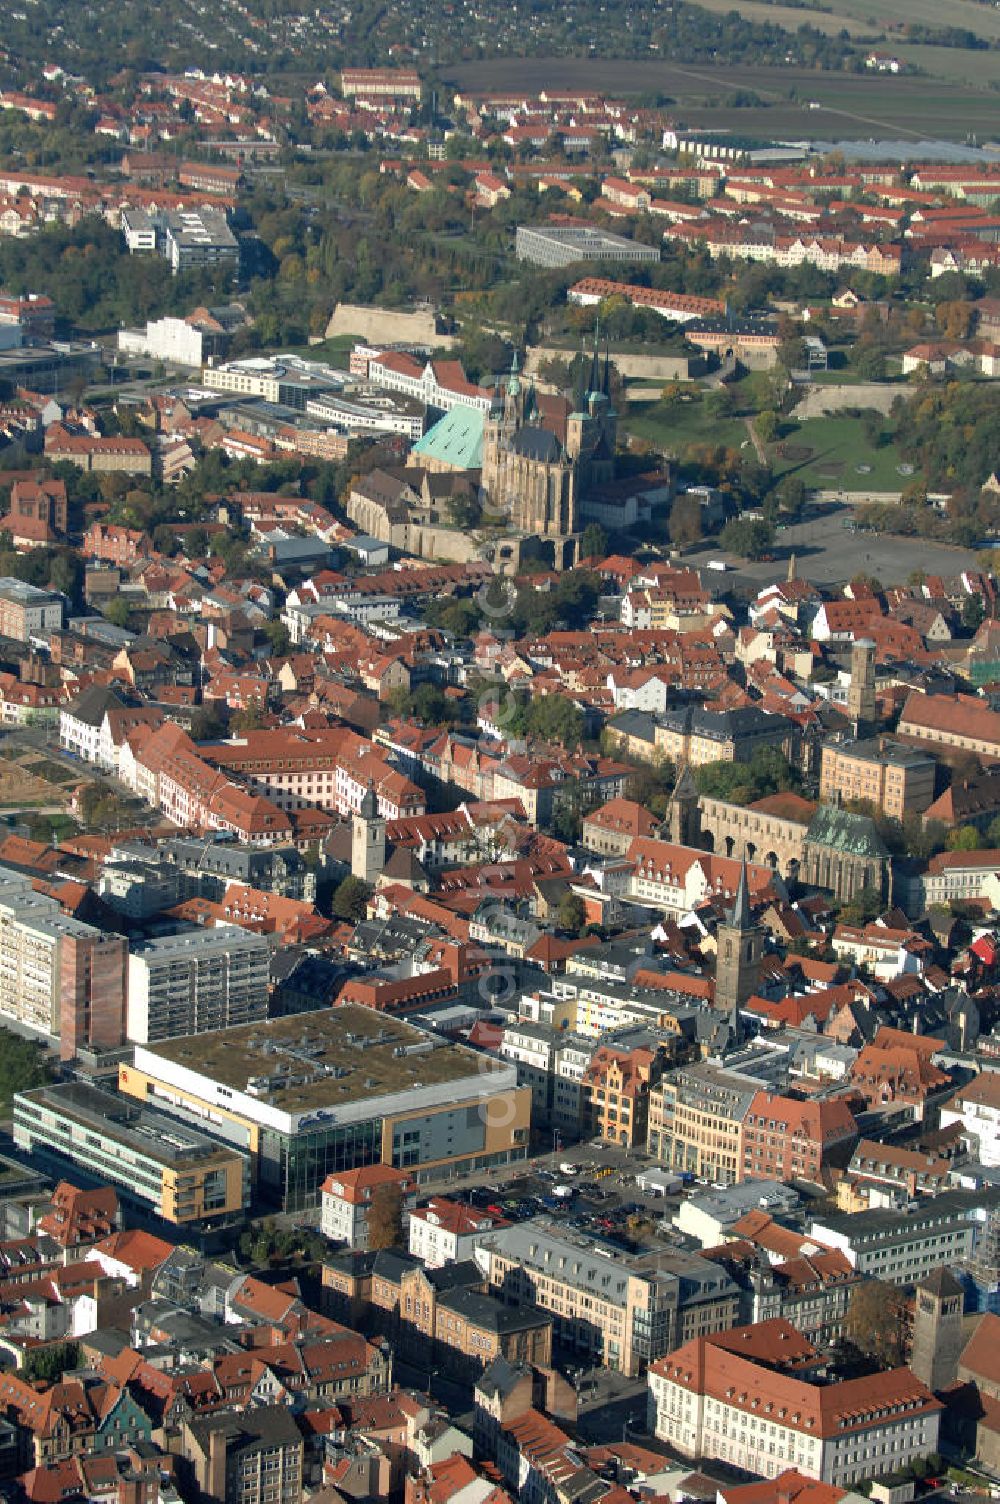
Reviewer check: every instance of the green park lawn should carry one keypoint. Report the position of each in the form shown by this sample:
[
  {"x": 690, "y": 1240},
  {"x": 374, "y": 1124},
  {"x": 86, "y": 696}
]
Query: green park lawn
[
  {"x": 834, "y": 454},
  {"x": 672, "y": 426}
]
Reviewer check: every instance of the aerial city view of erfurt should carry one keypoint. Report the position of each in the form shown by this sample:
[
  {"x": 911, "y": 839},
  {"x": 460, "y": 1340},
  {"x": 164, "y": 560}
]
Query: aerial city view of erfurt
[{"x": 500, "y": 752}]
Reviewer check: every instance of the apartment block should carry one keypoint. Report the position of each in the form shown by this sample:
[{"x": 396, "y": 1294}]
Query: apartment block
[
  {"x": 26, "y": 611},
  {"x": 977, "y": 1108},
  {"x": 616, "y": 1087},
  {"x": 446, "y": 1232},
  {"x": 381, "y": 84},
  {"x": 616, "y": 1309},
  {"x": 199, "y": 237},
  {"x": 959, "y": 722},
  {"x": 951, "y": 876},
  {"x": 177, "y": 1172},
  {"x": 789, "y": 1139},
  {"x": 329, "y": 769},
  {"x": 197, "y": 981},
  {"x": 696, "y": 1118},
  {"x": 747, "y": 1397},
  {"x": 59, "y": 976},
  {"x": 436, "y": 1314},
  {"x": 253, "y": 1457},
  {"x": 897, "y": 779}
]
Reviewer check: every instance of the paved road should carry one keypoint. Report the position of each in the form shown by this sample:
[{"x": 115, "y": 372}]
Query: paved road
[{"x": 825, "y": 551}]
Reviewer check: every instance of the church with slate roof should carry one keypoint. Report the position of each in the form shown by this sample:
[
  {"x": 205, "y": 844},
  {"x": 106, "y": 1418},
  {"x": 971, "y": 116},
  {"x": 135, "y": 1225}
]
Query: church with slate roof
[{"x": 538, "y": 463}]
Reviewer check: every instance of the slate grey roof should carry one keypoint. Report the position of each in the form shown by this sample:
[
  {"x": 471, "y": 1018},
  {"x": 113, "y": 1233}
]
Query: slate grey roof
[{"x": 536, "y": 444}]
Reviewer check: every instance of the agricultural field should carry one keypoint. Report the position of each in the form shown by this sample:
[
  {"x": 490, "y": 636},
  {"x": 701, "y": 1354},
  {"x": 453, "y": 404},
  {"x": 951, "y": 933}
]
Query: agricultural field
[
  {"x": 982, "y": 19},
  {"x": 791, "y": 17},
  {"x": 797, "y": 102},
  {"x": 961, "y": 64}
]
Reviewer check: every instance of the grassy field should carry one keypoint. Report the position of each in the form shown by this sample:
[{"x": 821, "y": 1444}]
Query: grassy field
[
  {"x": 840, "y": 457},
  {"x": 791, "y": 17},
  {"x": 335, "y": 352},
  {"x": 954, "y": 64},
  {"x": 671, "y": 427},
  {"x": 850, "y": 106},
  {"x": 825, "y": 453},
  {"x": 982, "y": 19}
]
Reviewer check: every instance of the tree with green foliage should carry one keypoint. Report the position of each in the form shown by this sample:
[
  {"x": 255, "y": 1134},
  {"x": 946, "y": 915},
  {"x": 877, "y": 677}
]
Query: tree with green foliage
[
  {"x": 117, "y": 611},
  {"x": 252, "y": 717},
  {"x": 208, "y": 724},
  {"x": 594, "y": 542},
  {"x": 766, "y": 425},
  {"x": 748, "y": 537},
  {"x": 459, "y": 617},
  {"x": 23, "y": 1065},
  {"x": 865, "y": 906},
  {"x": 427, "y": 703},
  {"x": 350, "y": 899},
  {"x": 571, "y": 914},
  {"x": 50, "y": 1362},
  {"x": 268, "y": 1242},
  {"x": 567, "y": 822},
  {"x": 767, "y": 772},
  {"x": 554, "y": 718},
  {"x": 464, "y": 511},
  {"x": 278, "y": 636},
  {"x": 963, "y": 838},
  {"x": 791, "y": 497},
  {"x": 973, "y": 613}
]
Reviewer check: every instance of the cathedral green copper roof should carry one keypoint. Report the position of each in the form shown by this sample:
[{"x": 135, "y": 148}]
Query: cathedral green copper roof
[
  {"x": 856, "y": 835},
  {"x": 456, "y": 439}
]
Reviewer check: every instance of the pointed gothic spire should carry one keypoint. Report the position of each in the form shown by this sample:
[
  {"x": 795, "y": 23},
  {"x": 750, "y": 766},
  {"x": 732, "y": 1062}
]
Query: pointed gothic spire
[
  {"x": 595, "y": 364},
  {"x": 606, "y": 378},
  {"x": 685, "y": 785},
  {"x": 580, "y": 385},
  {"x": 742, "y": 919},
  {"x": 513, "y": 384}
]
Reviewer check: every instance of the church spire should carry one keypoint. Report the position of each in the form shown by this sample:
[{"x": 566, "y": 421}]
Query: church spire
[
  {"x": 606, "y": 378},
  {"x": 513, "y": 384},
  {"x": 580, "y": 385},
  {"x": 595, "y": 364},
  {"x": 742, "y": 918}
]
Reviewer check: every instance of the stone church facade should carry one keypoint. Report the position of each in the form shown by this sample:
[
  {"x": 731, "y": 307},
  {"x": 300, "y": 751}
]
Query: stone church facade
[{"x": 535, "y": 479}]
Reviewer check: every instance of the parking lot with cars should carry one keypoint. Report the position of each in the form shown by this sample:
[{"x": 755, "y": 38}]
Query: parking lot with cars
[{"x": 590, "y": 1188}]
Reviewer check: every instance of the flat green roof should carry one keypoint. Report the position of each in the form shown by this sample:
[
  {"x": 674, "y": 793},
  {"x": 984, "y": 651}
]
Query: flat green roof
[{"x": 328, "y": 1058}]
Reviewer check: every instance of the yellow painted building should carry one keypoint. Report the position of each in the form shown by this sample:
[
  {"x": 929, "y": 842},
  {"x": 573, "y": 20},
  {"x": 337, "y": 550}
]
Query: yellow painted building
[{"x": 312, "y": 1095}]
